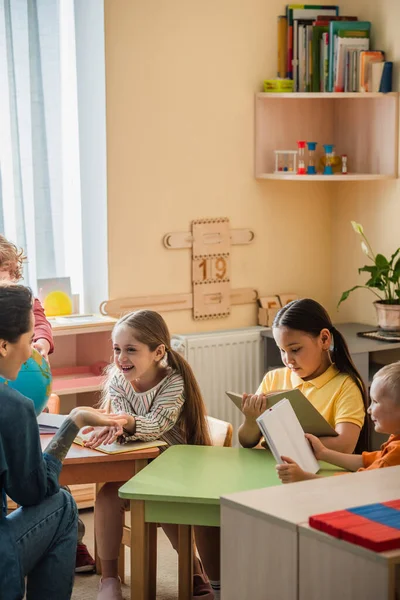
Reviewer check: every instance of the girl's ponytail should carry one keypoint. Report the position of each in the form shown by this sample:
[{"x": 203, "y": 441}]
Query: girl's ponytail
[
  {"x": 342, "y": 359},
  {"x": 193, "y": 414}
]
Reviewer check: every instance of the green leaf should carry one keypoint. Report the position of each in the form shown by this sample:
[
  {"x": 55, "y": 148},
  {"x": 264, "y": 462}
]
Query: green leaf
[
  {"x": 394, "y": 256},
  {"x": 396, "y": 269},
  {"x": 368, "y": 269},
  {"x": 381, "y": 262},
  {"x": 397, "y": 292},
  {"x": 346, "y": 294}
]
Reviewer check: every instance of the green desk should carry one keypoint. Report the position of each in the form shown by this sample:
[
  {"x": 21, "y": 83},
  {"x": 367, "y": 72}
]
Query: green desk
[{"x": 183, "y": 486}]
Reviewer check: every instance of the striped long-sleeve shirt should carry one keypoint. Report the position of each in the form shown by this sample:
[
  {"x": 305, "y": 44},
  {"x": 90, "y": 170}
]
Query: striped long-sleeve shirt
[{"x": 156, "y": 411}]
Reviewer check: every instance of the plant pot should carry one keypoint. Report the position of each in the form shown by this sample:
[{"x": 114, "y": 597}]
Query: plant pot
[{"x": 388, "y": 316}]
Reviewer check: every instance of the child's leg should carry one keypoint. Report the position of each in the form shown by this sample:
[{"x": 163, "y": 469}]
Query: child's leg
[
  {"x": 208, "y": 545},
  {"x": 109, "y": 520},
  {"x": 201, "y": 586},
  {"x": 171, "y": 531},
  {"x": 45, "y": 536}
]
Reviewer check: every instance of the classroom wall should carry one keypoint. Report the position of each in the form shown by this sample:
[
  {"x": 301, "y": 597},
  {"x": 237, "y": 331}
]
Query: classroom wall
[
  {"x": 375, "y": 205},
  {"x": 180, "y": 82}
]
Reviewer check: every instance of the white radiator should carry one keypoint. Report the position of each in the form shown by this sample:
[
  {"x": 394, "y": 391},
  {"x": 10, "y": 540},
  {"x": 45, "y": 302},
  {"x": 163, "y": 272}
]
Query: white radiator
[{"x": 222, "y": 361}]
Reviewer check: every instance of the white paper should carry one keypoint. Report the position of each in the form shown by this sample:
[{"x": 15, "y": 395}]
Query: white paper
[{"x": 285, "y": 436}]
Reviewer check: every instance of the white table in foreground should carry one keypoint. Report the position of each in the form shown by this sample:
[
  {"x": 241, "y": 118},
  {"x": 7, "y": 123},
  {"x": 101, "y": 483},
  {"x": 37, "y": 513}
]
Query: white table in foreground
[{"x": 262, "y": 558}]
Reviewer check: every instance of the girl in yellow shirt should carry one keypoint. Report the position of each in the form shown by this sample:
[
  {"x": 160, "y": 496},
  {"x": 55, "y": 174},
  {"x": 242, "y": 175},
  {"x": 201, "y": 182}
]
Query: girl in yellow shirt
[{"x": 318, "y": 363}]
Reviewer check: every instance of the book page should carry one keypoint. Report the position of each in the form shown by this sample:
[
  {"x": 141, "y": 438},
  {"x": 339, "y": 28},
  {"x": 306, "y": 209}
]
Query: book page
[
  {"x": 115, "y": 447},
  {"x": 284, "y": 434}
]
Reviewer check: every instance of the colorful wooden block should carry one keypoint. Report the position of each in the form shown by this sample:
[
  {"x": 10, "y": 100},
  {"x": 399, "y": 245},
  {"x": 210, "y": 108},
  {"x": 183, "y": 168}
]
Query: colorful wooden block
[{"x": 373, "y": 526}]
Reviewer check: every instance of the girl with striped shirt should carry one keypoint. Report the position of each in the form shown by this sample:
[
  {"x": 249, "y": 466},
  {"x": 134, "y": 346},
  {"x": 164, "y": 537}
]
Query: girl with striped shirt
[{"x": 155, "y": 389}]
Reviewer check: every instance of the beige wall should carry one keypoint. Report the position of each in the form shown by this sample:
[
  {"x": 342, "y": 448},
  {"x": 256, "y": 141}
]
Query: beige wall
[
  {"x": 181, "y": 77},
  {"x": 375, "y": 205}
]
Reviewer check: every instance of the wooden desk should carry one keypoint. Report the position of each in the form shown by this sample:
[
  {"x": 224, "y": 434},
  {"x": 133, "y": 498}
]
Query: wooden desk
[
  {"x": 362, "y": 350},
  {"x": 83, "y": 465},
  {"x": 183, "y": 486},
  {"x": 265, "y": 541}
]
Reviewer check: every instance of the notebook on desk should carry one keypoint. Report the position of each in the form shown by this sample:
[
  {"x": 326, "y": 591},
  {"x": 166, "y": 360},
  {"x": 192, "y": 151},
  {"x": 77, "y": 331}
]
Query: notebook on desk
[
  {"x": 285, "y": 437},
  {"x": 116, "y": 448},
  {"x": 50, "y": 423},
  {"x": 310, "y": 419}
]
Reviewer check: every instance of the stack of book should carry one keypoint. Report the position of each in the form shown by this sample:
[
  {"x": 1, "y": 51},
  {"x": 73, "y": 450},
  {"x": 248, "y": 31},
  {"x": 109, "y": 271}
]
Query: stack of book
[{"x": 322, "y": 51}]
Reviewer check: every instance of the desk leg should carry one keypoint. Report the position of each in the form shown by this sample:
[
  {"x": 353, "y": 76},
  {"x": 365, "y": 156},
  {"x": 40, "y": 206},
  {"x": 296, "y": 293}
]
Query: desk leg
[
  {"x": 139, "y": 551},
  {"x": 185, "y": 551},
  {"x": 140, "y": 464},
  {"x": 152, "y": 560},
  {"x": 98, "y": 487}
]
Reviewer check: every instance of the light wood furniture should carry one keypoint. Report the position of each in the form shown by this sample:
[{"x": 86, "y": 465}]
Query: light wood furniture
[
  {"x": 264, "y": 546},
  {"x": 368, "y": 356},
  {"x": 84, "y": 466},
  {"x": 82, "y": 348},
  {"x": 221, "y": 435},
  {"x": 363, "y": 126},
  {"x": 330, "y": 568}
]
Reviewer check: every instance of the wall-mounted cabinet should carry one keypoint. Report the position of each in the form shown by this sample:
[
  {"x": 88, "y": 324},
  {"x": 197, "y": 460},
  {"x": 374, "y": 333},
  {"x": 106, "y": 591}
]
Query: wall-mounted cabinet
[{"x": 365, "y": 127}]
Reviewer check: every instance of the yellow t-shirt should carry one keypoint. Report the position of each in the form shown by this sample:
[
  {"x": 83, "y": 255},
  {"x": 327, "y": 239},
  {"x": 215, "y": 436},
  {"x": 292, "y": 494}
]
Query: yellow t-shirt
[{"x": 334, "y": 394}]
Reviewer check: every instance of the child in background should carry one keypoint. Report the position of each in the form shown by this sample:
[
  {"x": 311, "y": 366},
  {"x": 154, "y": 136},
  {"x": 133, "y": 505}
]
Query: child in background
[
  {"x": 11, "y": 265},
  {"x": 318, "y": 363},
  {"x": 385, "y": 415},
  {"x": 11, "y": 261},
  {"x": 155, "y": 389}
]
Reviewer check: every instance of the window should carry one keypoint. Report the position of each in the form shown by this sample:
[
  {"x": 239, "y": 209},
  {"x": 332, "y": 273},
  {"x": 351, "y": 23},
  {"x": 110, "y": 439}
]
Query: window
[{"x": 47, "y": 48}]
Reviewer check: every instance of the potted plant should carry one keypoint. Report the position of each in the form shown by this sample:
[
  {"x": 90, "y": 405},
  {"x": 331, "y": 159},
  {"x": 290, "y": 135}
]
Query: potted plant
[{"x": 384, "y": 282}]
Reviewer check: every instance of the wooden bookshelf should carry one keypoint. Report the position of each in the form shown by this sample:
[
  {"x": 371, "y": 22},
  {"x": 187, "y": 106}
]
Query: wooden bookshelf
[
  {"x": 82, "y": 349},
  {"x": 362, "y": 126}
]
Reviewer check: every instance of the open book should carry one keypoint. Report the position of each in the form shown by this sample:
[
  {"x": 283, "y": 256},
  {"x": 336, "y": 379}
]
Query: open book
[
  {"x": 115, "y": 447},
  {"x": 50, "y": 423},
  {"x": 310, "y": 419},
  {"x": 285, "y": 436}
]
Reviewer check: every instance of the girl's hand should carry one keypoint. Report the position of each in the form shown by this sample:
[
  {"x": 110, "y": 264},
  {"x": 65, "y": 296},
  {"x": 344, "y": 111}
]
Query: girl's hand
[
  {"x": 87, "y": 415},
  {"x": 290, "y": 472},
  {"x": 254, "y": 405},
  {"x": 104, "y": 435},
  {"x": 318, "y": 448},
  {"x": 43, "y": 347}
]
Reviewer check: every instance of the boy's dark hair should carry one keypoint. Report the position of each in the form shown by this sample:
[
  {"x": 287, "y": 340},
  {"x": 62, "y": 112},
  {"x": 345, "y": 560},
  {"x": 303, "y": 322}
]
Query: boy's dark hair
[
  {"x": 389, "y": 376},
  {"x": 11, "y": 258},
  {"x": 309, "y": 316},
  {"x": 15, "y": 311}
]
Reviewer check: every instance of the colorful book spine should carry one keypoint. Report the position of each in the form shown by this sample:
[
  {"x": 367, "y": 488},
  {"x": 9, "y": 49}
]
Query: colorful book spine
[{"x": 282, "y": 46}]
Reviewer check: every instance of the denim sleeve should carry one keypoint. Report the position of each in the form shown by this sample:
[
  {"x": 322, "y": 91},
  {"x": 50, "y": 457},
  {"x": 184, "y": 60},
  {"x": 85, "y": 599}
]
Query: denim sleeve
[{"x": 27, "y": 475}]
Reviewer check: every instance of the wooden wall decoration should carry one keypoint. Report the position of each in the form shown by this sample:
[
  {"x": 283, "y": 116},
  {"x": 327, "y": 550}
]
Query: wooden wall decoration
[{"x": 212, "y": 296}]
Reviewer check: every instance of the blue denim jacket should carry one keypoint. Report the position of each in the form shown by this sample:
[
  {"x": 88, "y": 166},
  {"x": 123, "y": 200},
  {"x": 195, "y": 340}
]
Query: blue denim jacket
[{"x": 26, "y": 475}]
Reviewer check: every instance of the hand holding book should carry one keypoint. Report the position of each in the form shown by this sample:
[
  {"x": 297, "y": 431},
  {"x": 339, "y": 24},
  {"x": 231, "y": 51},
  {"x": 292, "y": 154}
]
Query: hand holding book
[{"x": 290, "y": 471}]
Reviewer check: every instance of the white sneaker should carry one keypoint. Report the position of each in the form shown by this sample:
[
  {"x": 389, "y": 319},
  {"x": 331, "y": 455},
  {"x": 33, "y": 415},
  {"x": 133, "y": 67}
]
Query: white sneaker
[{"x": 110, "y": 589}]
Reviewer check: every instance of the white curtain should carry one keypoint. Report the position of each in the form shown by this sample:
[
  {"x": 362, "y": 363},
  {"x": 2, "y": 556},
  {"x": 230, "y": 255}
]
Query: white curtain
[{"x": 40, "y": 203}]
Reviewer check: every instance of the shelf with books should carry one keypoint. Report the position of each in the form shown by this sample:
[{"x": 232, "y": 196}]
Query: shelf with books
[{"x": 364, "y": 126}]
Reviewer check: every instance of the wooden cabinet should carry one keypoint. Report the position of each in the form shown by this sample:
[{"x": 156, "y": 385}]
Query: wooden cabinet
[
  {"x": 268, "y": 552},
  {"x": 82, "y": 349},
  {"x": 362, "y": 126}
]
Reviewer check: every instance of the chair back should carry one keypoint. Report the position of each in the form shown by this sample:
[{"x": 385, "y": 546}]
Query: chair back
[
  {"x": 53, "y": 404},
  {"x": 220, "y": 431}
]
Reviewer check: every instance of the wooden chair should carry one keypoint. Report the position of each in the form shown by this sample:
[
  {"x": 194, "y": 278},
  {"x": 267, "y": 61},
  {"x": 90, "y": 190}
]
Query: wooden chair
[
  {"x": 53, "y": 404},
  {"x": 221, "y": 435}
]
